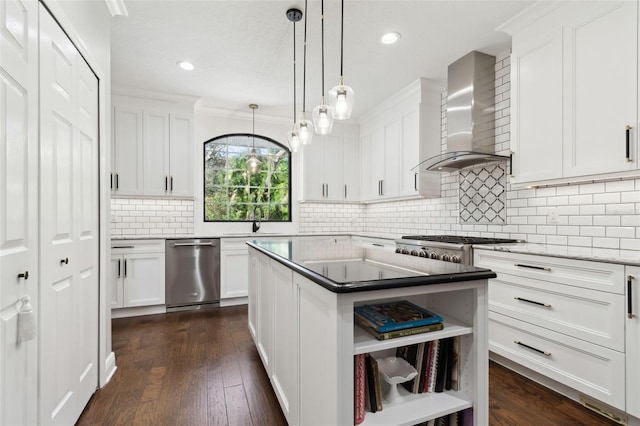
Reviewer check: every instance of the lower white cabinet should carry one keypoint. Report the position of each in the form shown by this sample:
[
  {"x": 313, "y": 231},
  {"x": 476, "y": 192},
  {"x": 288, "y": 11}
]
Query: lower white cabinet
[
  {"x": 633, "y": 340},
  {"x": 137, "y": 273},
  {"x": 234, "y": 276},
  {"x": 565, "y": 320}
]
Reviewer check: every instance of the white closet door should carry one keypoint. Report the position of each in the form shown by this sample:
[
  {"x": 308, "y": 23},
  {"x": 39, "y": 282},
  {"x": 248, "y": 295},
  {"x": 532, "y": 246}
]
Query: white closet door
[
  {"x": 69, "y": 227},
  {"x": 18, "y": 206}
]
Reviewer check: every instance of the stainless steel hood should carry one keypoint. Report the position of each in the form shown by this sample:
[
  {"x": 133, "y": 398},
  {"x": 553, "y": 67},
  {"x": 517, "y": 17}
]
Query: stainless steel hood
[{"x": 470, "y": 115}]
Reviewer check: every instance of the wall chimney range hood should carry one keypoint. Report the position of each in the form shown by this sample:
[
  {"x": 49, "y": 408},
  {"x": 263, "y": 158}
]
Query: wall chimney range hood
[{"x": 470, "y": 115}]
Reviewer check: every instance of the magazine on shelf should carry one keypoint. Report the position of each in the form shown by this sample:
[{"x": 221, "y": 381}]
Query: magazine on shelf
[
  {"x": 366, "y": 325},
  {"x": 398, "y": 315}
]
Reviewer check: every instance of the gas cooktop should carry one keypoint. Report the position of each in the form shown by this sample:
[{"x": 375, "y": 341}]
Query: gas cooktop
[{"x": 457, "y": 239}]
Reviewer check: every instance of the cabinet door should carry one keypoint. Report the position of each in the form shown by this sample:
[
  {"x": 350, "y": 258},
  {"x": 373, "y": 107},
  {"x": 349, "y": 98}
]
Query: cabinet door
[
  {"x": 156, "y": 153},
  {"x": 536, "y": 104},
  {"x": 633, "y": 341},
  {"x": 334, "y": 188},
  {"x": 18, "y": 207},
  {"x": 410, "y": 136},
  {"x": 285, "y": 343},
  {"x": 392, "y": 156},
  {"x": 234, "y": 276},
  {"x": 265, "y": 308},
  {"x": 314, "y": 168},
  {"x": 351, "y": 169},
  {"x": 368, "y": 183},
  {"x": 377, "y": 162},
  {"x": 143, "y": 279},
  {"x": 127, "y": 140},
  {"x": 181, "y": 156},
  {"x": 117, "y": 263},
  {"x": 254, "y": 279},
  {"x": 601, "y": 53}
]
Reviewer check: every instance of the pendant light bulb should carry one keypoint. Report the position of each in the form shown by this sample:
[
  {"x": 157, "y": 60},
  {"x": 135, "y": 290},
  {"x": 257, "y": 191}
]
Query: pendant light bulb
[
  {"x": 304, "y": 128},
  {"x": 294, "y": 140},
  {"x": 253, "y": 164},
  {"x": 341, "y": 99},
  {"x": 323, "y": 119}
]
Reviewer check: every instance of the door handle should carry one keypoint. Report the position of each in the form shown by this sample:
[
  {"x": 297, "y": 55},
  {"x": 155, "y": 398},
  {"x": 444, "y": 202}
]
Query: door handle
[
  {"x": 64, "y": 261},
  {"x": 24, "y": 275},
  {"x": 628, "y": 143},
  {"x": 125, "y": 268},
  {"x": 415, "y": 181},
  {"x": 327, "y": 189},
  {"x": 111, "y": 180},
  {"x": 323, "y": 190},
  {"x": 119, "y": 274},
  {"x": 630, "y": 313},
  {"x": 171, "y": 180},
  {"x": 166, "y": 184},
  {"x": 117, "y": 181},
  {"x": 345, "y": 191},
  {"x": 382, "y": 187}
]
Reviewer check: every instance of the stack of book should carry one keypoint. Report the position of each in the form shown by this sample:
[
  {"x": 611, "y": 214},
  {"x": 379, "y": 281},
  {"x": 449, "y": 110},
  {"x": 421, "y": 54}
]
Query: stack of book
[
  {"x": 461, "y": 418},
  {"x": 396, "y": 319},
  {"x": 437, "y": 363}
]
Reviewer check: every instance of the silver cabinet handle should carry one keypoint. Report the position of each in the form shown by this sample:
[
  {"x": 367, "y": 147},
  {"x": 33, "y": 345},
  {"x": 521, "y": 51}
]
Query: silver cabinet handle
[
  {"x": 540, "y": 268},
  {"x": 533, "y": 302},
  {"x": 532, "y": 348},
  {"x": 194, "y": 244},
  {"x": 415, "y": 181},
  {"x": 630, "y": 313}
]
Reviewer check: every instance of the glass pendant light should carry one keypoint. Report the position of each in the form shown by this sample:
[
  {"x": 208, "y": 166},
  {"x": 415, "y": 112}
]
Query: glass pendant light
[
  {"x": 294, "y": 15},
  {"x": 341, "y": 96},
  {"x": 322, "y": 114},
  {"x": 304, "y": 126},
  {"x": 253, "y": 164}
]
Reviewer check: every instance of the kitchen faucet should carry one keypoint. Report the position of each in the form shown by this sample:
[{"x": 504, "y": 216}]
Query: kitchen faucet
[{"x": 255, "y": 226}]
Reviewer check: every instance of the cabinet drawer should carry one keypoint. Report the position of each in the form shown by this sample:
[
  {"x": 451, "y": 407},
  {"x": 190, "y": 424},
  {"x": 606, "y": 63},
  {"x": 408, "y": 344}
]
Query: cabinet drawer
[
  {"x": 588, "y": 368},
  {"x": 579, "y": 273},
  {"x": 234, "y": 243},
  {"x": 595, "y": 316},
  {"x": 138, "y": 246}
]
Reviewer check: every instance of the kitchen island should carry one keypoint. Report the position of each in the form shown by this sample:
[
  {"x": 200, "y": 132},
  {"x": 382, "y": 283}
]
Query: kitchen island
[{"x": 302, "y": 294}]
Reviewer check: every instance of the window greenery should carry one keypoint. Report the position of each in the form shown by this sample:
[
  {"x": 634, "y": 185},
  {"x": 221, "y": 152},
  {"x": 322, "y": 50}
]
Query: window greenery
[{"x": 232, "y": 194}]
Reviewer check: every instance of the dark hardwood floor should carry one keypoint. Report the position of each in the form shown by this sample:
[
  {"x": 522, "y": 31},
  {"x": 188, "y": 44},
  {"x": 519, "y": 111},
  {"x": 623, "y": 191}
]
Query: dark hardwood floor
[{"x": 201, "y": 368}]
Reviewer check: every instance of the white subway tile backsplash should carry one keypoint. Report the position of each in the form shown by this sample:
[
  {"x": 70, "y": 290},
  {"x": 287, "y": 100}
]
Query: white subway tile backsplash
[{"x": 157, "y": 217}]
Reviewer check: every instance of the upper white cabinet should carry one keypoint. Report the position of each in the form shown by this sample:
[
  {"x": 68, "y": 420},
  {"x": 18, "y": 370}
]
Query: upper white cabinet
[
  {"x": 398, "y": 135},
  {"x": 152, "y": 148},
  {"x": 331, "y": 168},
  {"x": 574, "y": 78}
]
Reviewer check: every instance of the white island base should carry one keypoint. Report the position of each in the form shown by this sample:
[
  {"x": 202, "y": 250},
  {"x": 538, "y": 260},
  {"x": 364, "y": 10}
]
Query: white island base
[{"x": 306, "y": 338}]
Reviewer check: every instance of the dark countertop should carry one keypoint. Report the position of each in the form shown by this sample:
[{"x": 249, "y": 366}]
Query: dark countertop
[{"x": 341, "y": 267}]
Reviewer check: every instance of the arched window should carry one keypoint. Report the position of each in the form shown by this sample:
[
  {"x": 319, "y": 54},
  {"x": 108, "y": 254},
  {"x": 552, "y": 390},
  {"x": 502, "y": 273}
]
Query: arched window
[{"x": 231, "y": 194}]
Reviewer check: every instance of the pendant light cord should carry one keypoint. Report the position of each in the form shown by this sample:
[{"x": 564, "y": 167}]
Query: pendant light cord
[
  {"x": 253, "y": 127},
  {"x": 322, "y": 15},
  {"x": 304, "y": 63},
  {"x": 341, "y": 38},
  {"x": 294, "y": 72}
]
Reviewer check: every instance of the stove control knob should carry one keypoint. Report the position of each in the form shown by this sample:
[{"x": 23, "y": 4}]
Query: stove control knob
[
  {"x": 398, "y": 250},
  {"x": 455, "y": 259},
  {"x": 445, "y": 257},
  {"x": 423, "y": 253},
  {"x": 405, "y": 251},
  {"x": 435, "y": 255},
  {"x": 414, "y": 252}
]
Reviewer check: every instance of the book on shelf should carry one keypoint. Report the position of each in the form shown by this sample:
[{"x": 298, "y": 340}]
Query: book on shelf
[
  {"x": 366, "y": 325},
  {"x": 359, "y": 387},
  {"x": 410, "y": 354},
  {"x": 373, "y": 399},
  {"x": 398, "y": 315}
]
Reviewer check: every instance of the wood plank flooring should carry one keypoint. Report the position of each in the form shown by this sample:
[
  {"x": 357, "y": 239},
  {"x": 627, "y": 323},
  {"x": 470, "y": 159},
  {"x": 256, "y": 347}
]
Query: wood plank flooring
[{"x": 201, "y": 368}]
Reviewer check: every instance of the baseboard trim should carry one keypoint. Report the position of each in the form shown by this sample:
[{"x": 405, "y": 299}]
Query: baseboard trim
[
  {"x": 234, "y": 301},
  {"x": 138, "y": 311},
  {"x": 110, "y": 368}
]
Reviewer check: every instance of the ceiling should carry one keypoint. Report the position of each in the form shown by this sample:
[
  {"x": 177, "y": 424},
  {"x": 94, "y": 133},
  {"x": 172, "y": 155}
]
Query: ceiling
[{"x": 243, "y": 49}]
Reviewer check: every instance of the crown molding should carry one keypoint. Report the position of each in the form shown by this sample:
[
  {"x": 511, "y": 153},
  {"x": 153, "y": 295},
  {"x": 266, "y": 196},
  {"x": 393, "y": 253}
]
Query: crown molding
[
  {"x": 154, "y": 96},
  {"x": 242, "y": 115},
  {"x": 529, "y": 15},
  {"x": 117, "y": 8}
]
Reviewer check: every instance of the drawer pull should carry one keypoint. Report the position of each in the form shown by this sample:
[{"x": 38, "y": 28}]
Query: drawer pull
[
  {"x": 377, "y": 245},
  {"x": 541, "y": 268},
  {"x": 630, "y": 313},
  {"x": 532, "y": 348},
  {"x": 122, "y": 247},
  {"x": 546, "y": 305}
]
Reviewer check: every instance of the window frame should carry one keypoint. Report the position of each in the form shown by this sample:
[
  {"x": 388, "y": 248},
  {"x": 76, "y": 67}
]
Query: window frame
[{"x": 204, "y": 187}]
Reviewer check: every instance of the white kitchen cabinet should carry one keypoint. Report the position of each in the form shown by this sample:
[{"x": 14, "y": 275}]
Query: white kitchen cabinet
[
  {"x": 331, "y": 168},
  {"x": 152, "y": 148},
  {"x": 632, "y": 331},
  {"x": 137, "y": 273},
  {"x": 313, "y": 340},
  {"x": 234, "y": 276},
  {"x": 569, "y": 117},
  {"x": 562, "y": 318},
  {"x": 395, "y": 137}
]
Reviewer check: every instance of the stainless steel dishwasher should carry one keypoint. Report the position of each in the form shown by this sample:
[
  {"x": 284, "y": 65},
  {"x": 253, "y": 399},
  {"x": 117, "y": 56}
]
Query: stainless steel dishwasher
[{"x": 192, "y": 273}]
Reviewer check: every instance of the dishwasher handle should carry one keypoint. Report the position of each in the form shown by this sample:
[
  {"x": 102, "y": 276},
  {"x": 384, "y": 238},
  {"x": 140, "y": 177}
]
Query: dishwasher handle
[{"x": 209, "y": 244}]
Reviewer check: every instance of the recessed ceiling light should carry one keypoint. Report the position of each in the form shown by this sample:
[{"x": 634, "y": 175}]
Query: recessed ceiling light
[
  {"x": 389, "y": 38},
  {"x": 185, "y": 65}
]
